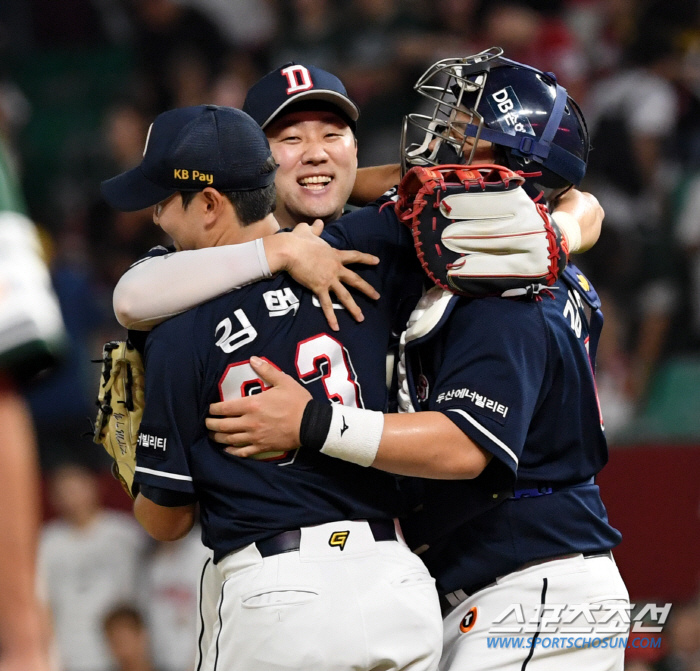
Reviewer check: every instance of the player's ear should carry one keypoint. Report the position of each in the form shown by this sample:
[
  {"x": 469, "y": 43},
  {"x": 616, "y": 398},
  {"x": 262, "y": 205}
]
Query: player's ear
[{"x": 213, "y": 203}]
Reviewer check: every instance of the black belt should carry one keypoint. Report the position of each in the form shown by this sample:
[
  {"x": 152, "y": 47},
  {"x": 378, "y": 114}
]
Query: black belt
[
  {"x": 289, "y": 541},
  {"x": 448, "y": 601}
]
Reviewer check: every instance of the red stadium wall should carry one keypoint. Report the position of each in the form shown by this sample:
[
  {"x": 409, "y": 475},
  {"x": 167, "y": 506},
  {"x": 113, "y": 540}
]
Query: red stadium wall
[{"x": 652, "y": 494}]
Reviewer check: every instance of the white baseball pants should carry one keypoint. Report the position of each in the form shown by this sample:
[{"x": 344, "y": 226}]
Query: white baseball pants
[
  {"x": 550, "y": 594},
  {"x": 368, "y": 605}
]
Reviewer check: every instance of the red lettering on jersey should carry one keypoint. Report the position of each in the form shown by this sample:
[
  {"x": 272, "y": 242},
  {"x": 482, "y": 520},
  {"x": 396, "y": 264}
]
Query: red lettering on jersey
[{"x": 298, "y": 78}]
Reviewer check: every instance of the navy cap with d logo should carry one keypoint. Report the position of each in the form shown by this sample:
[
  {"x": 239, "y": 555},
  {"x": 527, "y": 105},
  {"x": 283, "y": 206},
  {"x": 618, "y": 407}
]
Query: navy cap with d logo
[
  {"x": 292, "y": 83},
  {"x": 189, "y": 149}
]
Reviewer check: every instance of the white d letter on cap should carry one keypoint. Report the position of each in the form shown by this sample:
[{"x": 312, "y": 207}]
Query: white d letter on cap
[{"x": 294, "y": 73}]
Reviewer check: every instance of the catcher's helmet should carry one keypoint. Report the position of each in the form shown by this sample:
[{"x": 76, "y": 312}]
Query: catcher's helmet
[{"x": 536, "y": 127}]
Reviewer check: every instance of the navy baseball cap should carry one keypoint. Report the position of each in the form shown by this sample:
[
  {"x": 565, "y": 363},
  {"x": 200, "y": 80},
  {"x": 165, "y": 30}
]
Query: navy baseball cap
[
  {"x": 293, "y": 83},
  {"x": 189, "y": 149}
]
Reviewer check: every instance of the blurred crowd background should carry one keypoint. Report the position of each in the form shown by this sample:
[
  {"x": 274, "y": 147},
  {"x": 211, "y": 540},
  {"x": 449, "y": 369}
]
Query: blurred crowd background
[{"x": 80, "y": 81}]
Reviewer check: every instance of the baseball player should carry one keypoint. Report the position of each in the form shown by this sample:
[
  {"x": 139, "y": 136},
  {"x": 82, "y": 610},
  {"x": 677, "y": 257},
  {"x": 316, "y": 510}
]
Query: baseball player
[
  {"x": 294, "y": 104},
  {"x": 514, "y": 378},
  {"x": 31, "y": 337},
  {"x": 295, "y": 537}
]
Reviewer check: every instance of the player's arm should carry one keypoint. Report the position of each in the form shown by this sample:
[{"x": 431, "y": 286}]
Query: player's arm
[
  {"x": 165, "y": 504},
  {"x": 577, "y": 208},
  {"x": 163, "y": 523},
  {"x": 426, "y": 444},
  {"x": 160, "y": 287},
  {"x": 372, "y": 182},
  {"x": 22, "y": 642}
]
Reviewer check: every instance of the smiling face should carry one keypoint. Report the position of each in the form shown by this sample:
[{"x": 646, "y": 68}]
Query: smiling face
[{"x": 317, "y": 156}]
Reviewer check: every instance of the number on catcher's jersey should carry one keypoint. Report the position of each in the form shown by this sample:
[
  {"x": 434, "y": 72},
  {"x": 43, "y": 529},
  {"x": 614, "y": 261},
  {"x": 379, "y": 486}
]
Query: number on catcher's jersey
[{"x": 319, "y": 357}]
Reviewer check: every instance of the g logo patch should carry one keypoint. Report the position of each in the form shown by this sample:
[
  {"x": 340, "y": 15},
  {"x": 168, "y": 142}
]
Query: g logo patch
[
  {"x": 338, "y": 539},
  {"x": 468, "y": 621}
]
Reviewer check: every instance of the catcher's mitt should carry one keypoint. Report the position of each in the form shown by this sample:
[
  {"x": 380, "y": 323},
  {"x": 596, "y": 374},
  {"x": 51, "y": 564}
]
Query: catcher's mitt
[
  {"x": 120, "y": 403},
  {"x": 478, "y": 233}
]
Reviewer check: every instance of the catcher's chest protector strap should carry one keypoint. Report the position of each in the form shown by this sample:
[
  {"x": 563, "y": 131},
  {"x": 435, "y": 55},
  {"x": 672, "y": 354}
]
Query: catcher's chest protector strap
[
  {"x": 577, "y": 281},
  {"x": 428, "y": 316}
]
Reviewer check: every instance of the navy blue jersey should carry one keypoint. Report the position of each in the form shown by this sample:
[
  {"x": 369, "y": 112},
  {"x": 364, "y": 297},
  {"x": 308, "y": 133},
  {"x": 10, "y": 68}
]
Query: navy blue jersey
[
  {"x": 516, "y": 377},
  {"x": 203, "y": 356}
]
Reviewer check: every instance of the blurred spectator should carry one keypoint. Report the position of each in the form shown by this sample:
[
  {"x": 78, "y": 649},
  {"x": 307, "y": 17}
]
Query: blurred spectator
[
  {"x": 536, "y": 38},
  {"x": 168, "y": 32},
  {"x": 15, "y": 110},
  {"x": 236, "y": 77},
  {"x": 68, "y": 23},
  {"x": 453, "y": 29},
  {"x": 89, "y": 559},
  {"x": 632, "y": 116},
  {"x": 171, "y": 601},
  {"x": 682, "y": 636},
  {"x": 127, "y": 639},
  {"x": 309, "y": 30},
  {"x": 603, "y": 28},
  {"x": 638, "y": 665},
  {"x": 247, "y": 25},
  {"x": 375, "y": 75},
  {"x": 688, "y": 236},
  {"x": 118, "y": 239},
  {"x": 189, "y": 79},
  {"x": 612, "y": 373},
  {"x": 125, "y": 130},
  {"x": 64, "y": 400}
]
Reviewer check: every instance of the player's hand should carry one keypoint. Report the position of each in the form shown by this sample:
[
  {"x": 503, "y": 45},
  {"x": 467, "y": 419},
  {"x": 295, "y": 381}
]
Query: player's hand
[
  {"x": 586, "y": 209},
  {"x": 312, "y": 262},
  {"x": 265, "y": 422}
]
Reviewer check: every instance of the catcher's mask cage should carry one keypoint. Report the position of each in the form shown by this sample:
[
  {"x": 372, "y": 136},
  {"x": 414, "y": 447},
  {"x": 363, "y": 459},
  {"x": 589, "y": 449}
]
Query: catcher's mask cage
[{"x": 537, "y": 128}]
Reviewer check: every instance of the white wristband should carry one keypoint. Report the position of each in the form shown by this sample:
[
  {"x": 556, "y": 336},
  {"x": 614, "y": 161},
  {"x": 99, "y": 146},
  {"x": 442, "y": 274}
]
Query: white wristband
[
  {"x": 570, "y": 228},
  {"x": 354, "y": 435}
]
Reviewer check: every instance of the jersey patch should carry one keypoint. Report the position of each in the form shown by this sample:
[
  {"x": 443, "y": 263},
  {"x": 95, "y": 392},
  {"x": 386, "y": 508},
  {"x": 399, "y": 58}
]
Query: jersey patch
[
  {"x": 153, "y": 442},
  {"x": 480, "y": 404}
]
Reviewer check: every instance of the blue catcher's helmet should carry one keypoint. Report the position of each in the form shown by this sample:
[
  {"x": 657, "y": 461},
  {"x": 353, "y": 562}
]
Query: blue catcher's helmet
[{"x": 537, "y": 129}]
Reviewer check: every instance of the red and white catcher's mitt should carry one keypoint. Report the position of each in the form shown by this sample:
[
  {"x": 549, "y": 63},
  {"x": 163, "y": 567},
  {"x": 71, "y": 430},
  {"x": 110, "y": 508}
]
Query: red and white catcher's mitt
[{"x": 478, "y": 233}]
